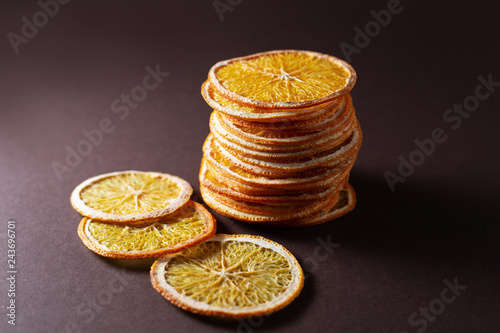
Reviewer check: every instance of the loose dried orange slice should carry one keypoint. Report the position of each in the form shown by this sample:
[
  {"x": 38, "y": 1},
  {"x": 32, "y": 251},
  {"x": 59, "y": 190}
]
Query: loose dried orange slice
[
  {"x": 230, "y": 276},
  {"x": 282, "y": 79},
  {"x": 130, "y": 196},
  {"x": 188, "y": 226}
]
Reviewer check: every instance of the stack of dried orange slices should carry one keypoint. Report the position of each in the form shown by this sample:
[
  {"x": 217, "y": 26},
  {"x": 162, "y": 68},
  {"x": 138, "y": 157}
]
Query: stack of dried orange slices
[
  {"x": 284, "y": 137},
  {"x": 135, "y": 214}
]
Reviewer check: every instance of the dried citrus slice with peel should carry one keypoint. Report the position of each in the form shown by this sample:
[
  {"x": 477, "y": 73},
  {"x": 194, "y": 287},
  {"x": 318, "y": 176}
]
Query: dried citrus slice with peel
[
  {"x": 328, "y": 157},
  {"x": 249, "y": 113},
  {"x": 237, "y": 210},
  {"x": 230, "y": 276},
  {"x": 344, "y": 204},
  {"x": 218, "y": 184},
  {"x": 282, "y": 79},
  {"x": 339, "y": 109},
  {"x": 130, "y": 196},
  {"x": 188, "y": 226},
  {"x": 239, "y": 138}
]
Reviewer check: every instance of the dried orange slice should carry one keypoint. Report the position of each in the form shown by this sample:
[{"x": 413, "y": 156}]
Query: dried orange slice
[
  {"x": 329, "y": 157},
  {"x": 340, "y": 108},
  {"x": 188, "y": 226},
  {"x": 243, "y": 211},
  {"x": 319, "y": 179},
  {"x": 130, "y": 196},
  {"x": 218, "y": 184},
  {"x": 249, "y": 113},
  {"x": 272, "y": 156},
  {"x": 250, "y": 141},
  {"x": 282, "y": 79},
  {"x": 283, "y": 137},
  {"x": 230, "y": 276},
  {"x": 344, "y": 204}
]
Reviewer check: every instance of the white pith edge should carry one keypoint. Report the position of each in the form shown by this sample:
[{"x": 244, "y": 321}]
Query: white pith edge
[
  {"x": 262, "y": 180},
  {"x": 288, "y": 171},
  {"x": 339, "y": 108},
  {"x": 293, "y": 289},
  {"x": 354, "y": 142},
  {"x": 217, "y": 128},
  {"x": 296, "y": 211},
  {"x": 295, "y": 140},
  {"x": 250, "y": 217},
  {"x": 185, "y": 193},
  {"x": 270, "y": 198},
  {"x": 266, "y": 155},
  {"x": 331, "y": 214}
]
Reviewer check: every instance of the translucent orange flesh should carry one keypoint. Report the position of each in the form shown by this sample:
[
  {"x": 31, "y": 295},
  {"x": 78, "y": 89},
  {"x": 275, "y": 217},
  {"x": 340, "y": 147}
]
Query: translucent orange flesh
[
  {"x": 229, "y": 274},
  {"x": 149, "y": 235},
  {"x": 283, "y": 77},
  {"x": 130, "y": 193}
]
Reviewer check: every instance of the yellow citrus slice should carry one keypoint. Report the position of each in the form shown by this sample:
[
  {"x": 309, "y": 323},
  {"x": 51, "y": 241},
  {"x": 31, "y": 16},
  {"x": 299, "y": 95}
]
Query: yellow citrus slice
[
  {"x": 230, "y": 276},
  {"x": 130, "y": 196},
  {"x": 188, "y": 226},
  {"x": 282, "y": 79}
]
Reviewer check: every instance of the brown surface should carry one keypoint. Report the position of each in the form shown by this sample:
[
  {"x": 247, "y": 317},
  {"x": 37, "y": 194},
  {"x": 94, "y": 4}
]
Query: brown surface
[{"x": 390, "y": 255}]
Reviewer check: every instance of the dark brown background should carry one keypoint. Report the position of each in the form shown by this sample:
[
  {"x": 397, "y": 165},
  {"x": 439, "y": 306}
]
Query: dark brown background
[{"x": 395, "y": 250}]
